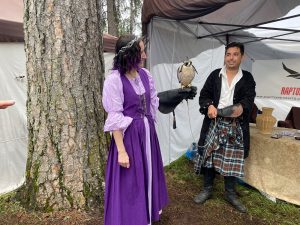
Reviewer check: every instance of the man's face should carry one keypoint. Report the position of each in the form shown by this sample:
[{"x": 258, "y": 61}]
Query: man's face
[{"x": 233, "y": 58}]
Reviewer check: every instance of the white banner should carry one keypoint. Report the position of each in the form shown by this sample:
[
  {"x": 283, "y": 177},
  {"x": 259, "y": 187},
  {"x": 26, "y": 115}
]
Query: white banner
[{"x": 277, "y": 79}]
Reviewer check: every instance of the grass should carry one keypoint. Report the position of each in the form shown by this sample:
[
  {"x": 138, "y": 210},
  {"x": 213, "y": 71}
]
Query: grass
[
  {"x": 8, "y": 205},
  {"x": 258, "y": 205}
]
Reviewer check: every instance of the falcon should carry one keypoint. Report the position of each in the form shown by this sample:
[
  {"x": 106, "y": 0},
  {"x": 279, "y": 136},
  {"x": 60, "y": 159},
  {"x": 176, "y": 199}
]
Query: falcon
[{"x": 186, "y": 73}]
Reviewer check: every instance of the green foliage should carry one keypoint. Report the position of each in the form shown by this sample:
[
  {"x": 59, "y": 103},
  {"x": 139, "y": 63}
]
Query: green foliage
[{"x": 8, "y": 205}]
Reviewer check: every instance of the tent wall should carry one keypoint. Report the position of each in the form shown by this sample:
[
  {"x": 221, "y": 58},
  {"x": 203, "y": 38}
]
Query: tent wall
[
  {"x": 168, "y": 49},
  {"x": 171, "y": 42},
  {"x": 13, "y": 132},
  {"x": 108, "y": 60}
]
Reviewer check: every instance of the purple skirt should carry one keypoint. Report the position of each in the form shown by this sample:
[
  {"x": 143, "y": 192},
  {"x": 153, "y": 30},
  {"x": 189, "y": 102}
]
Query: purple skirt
[{"x": 128, "y": 200}]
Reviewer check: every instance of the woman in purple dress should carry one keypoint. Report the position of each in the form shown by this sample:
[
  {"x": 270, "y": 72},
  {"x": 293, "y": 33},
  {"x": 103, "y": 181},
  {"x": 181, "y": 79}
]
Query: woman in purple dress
[{"x": 135, "y": 191}]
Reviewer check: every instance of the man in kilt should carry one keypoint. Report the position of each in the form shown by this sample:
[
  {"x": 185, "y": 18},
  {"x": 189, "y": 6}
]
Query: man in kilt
[{"x": 224, "y": 140}]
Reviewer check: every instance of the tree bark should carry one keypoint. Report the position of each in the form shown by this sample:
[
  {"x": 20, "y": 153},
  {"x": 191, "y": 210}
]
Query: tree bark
[
  {"x": 65, "y": 69},
  {"x": 112, "y": 18},
  {"x": 131, "y": 16}
]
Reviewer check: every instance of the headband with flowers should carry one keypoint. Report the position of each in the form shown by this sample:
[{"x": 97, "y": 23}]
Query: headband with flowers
[{"x": 128, "y": 46}]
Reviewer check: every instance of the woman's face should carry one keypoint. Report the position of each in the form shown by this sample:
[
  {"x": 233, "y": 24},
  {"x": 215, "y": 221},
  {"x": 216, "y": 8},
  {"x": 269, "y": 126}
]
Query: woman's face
[{"x": 143, "y": 53}]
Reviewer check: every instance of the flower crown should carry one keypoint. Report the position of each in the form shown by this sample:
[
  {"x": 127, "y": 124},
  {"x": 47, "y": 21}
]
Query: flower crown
[{"x": 129, "y": 45}]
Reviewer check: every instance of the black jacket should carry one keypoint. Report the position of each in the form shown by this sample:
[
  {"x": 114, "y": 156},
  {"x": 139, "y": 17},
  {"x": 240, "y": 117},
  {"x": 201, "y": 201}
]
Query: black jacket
[{"x": 244, "y": 93}]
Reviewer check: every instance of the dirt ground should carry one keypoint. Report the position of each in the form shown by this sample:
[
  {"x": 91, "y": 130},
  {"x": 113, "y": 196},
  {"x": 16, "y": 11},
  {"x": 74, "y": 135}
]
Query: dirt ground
[
  {"x": 180, "y": 211},
  {"x": 183, "y": 211}
]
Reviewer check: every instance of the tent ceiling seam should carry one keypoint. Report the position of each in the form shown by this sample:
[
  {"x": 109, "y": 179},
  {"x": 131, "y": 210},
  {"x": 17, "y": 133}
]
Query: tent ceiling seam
[
  {"x": 264, "y": 38},
  {"x": 187, "y": 29},
  {"x": 241, "y": 27}
]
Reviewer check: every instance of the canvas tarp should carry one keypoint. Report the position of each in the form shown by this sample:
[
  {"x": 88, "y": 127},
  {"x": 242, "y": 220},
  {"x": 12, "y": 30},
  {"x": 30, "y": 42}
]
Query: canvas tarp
[
  {"x": 179, "y": 9},
  {"x": 109, "y": 43},
  {"x": 273, "y": 166}
]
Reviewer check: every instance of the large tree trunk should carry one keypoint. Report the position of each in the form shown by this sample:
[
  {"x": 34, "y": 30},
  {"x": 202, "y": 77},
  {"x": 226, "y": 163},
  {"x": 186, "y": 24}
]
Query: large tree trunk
[
  {"x": 112, "y": 18},
  {"x": 67, "y": 146}
]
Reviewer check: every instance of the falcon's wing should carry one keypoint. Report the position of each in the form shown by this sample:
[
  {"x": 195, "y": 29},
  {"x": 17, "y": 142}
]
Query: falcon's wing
[
  {"x": 178, "y": 73},
  {"x": 195, "y": 69}
]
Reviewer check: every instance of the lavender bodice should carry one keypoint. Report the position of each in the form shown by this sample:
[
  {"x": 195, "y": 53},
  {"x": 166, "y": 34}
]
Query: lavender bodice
[{"x": 113, "y": 100}]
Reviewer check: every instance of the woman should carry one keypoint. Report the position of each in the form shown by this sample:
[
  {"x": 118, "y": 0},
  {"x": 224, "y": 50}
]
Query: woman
[{"x": 135, "y": 190}]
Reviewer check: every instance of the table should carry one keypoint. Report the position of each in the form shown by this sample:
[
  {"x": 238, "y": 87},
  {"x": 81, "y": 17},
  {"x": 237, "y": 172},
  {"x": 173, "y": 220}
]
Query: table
[{"x": 273, "y": 165}]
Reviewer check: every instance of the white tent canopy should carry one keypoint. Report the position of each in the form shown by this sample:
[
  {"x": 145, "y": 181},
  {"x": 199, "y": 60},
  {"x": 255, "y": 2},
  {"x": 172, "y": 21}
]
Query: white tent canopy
[
  {"x": 202, "y": 40},
  {"x": 13, "y": 132}
]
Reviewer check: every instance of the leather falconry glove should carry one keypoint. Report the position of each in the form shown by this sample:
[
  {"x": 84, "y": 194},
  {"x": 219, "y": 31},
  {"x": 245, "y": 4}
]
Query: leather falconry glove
[
  {"x": 232, "y": 111},
  {"x": 168, "y": 100}
]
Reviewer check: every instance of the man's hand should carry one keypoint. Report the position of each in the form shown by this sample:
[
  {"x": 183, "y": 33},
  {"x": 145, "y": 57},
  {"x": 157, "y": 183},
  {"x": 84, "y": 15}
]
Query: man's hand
[
  {"x": 232, "y": 111},
  {"x": 123, "y": 159},
  {"x": 212, "y": 112},
  {"x": 5, "y": 104},
  {"x": 237, "y": 110}
]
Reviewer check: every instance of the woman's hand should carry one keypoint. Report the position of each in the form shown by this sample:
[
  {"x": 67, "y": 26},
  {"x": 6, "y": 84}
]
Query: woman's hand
[
  {"x": 123, "y": 159},
  {"x": 212, "y": 112}
]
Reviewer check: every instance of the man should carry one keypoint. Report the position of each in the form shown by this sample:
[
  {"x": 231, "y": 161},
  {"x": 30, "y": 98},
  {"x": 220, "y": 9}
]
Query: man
[{"x": 225, "y": 140}]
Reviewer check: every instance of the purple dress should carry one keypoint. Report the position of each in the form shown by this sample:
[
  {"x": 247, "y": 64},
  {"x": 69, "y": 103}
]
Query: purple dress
[{"x": 133, "y": 196}]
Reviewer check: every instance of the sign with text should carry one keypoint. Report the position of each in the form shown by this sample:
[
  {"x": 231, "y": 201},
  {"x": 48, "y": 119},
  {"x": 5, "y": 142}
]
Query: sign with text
[{"x": 277, "y": 79}]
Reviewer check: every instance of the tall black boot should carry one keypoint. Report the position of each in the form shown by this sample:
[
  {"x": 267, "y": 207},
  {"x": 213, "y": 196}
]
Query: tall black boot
[
  {"x": 231, "y": 196},
  {"x": 209, "y": 176}
]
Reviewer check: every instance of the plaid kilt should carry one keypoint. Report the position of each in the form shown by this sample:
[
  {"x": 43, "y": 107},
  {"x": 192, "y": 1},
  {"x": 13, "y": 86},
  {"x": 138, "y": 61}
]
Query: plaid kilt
[{"x": 223, "y": 148}]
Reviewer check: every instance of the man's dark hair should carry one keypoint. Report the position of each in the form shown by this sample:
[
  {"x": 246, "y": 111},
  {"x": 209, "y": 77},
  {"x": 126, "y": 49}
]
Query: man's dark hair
[{"x": 235, "y": 44}]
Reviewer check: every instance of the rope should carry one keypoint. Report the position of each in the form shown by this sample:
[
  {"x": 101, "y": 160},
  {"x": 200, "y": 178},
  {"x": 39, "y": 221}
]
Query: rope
[
  {"x": 211, "y": 136},
  {"x": 190, "y": 125}
]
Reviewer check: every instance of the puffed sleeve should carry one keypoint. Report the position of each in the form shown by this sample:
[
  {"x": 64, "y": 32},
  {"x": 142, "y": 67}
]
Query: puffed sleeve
[
  {"x": 113, "y": 99},
  {"x": 153, "y": 94}
]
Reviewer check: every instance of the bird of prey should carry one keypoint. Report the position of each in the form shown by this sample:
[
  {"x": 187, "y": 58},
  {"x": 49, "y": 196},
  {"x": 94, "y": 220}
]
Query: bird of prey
[
  {"x": 186, "y": 73},
  {"x": 293, "y": 74}
]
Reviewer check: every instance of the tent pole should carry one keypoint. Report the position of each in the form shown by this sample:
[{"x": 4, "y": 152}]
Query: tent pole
[{"x": 227, "y": 39}]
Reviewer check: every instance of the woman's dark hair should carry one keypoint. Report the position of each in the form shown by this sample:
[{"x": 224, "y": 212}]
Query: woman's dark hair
[
  {"x": 128, "y": 54},
  {"x": 235, "y": 44}
]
